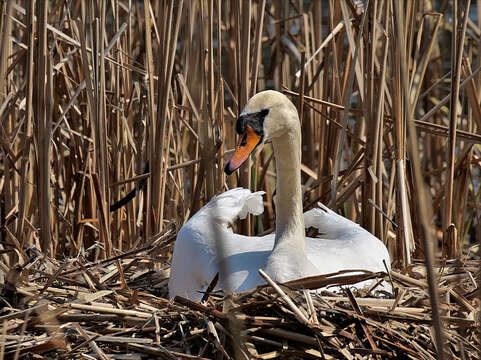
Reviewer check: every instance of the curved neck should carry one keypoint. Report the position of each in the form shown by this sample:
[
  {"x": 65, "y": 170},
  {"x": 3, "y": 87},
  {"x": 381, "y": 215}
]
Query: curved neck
[{"x": 290, "y": 229}]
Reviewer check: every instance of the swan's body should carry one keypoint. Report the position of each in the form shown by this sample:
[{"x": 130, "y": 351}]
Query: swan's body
[
  {"x": 343, "y": 245},
  {"x": 206, "y": 245}
]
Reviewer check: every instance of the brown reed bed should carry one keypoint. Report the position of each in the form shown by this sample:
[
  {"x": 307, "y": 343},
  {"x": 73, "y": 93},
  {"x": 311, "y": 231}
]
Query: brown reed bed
[
  {"x": 116, "y": 308},
  {"x": 90, "y": 92}
]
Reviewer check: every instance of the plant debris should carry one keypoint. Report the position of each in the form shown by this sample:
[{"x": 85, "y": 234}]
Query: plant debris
[{"x": 118, "y": 308}]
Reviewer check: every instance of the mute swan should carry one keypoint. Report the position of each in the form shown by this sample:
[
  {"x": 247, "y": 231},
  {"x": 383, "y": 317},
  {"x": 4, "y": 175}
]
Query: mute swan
[{"x": 285, "y": 255}]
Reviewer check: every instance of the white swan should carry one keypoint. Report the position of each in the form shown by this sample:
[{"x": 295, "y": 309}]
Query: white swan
[{"x": 287, "y": 254}]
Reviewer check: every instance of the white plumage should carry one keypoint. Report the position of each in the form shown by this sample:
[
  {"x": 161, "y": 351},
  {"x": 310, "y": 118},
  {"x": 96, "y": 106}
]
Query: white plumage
[
  {"x": 342, "y": 245},
  {"x": 207, "y": 245}
]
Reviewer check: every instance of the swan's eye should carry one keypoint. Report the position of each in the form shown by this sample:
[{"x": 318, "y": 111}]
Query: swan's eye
[{"x": 244, "y": 140}]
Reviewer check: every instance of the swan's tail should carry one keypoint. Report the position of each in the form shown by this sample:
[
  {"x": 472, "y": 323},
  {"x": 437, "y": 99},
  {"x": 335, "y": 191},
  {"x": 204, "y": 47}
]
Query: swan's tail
[{"x": 234, "y": 204}]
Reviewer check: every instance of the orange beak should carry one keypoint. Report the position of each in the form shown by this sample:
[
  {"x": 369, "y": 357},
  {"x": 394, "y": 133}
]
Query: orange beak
[{"x": 248, "y": 141}]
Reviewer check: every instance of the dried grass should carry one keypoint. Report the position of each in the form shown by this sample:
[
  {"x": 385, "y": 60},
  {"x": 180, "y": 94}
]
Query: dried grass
[{"x": 118, "y": 306}]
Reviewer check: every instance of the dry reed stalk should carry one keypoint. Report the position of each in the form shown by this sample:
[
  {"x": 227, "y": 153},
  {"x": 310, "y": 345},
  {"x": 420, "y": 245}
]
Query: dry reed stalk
[
  {"x": 478, "y": 82},
  {"x": 220, "y": 98},
  {"x": 347, "y": 95},
  {"x": 403, "y": 230},
  {"x": 211, "y": 178},
  {"x": 28, "y": 161},
  {"x": 368, "y": 211},
  {"x": 10, "y": 179},
  {"x": 450, "y": 242},
  {"x": 302, "y": 88},
  {"x": 116, "y": 158},
  {"x": 423, "y": 210},
  {"x": 5, "y": 51},
  {"x": 42, "y": 129},
  {"x": 160, "y": 136},
  {"x": 299, "y": 315},
  {"x": 257, "y": 46},
  {"x": 151, "y": 113},
  {"x": 102, "y": 164},
  {"x": 378, "y": 151},
  {"x": 243, "y": 12},
  {"x": 92, "y": 93}
]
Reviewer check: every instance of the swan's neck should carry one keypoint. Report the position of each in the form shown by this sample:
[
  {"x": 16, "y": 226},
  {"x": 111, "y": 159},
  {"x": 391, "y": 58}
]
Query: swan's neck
[{"x": 290, "y": 230}]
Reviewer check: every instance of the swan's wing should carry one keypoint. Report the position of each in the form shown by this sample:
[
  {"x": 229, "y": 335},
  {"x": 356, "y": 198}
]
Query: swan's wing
[
  {"x": 232, "y": 205},
  {"x": 195, "y": 258},
  {"x": 343, "y": 244},
  {"x": 222, "y": 210},
  {"x": 242, "y": 258},
  {"x": 330, "y": 224}
]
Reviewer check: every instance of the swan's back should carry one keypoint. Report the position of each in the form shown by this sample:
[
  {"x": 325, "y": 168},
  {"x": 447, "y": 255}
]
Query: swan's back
[{"x": 343, "y": 244}]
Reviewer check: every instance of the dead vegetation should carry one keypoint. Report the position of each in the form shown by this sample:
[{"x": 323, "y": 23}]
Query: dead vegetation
[
  {"x": 388, "y": 93},
  {"x": 118, "y": 307}
]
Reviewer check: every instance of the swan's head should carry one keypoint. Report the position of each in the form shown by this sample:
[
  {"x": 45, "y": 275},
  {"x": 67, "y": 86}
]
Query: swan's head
[{"x": 267, "y": 115}]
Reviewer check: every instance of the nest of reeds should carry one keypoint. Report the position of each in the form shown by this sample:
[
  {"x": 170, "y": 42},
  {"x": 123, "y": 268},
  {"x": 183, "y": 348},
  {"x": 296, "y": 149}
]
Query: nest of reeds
[
  {"x": 388, "y": 94},
  {"x": 118, "y": 308}
]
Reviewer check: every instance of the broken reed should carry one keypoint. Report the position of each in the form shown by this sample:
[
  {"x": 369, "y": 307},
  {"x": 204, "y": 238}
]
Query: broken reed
[{"x": 390, "y": 118}]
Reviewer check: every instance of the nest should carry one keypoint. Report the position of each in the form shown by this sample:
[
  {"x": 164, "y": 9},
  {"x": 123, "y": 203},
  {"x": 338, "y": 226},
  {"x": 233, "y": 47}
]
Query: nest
[{"x": 118, "y": 308}]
